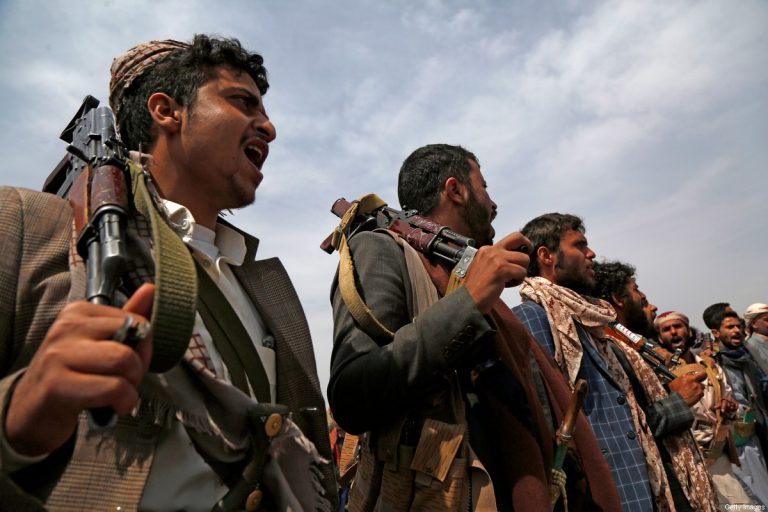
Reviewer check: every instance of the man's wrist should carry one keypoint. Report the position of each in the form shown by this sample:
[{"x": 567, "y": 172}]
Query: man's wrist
[{"x": 10, "y": 459}]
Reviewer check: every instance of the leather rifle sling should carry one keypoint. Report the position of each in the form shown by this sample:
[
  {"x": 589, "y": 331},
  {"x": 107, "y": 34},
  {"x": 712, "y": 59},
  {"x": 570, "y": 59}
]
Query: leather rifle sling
[{"x": 231, "y": 339}]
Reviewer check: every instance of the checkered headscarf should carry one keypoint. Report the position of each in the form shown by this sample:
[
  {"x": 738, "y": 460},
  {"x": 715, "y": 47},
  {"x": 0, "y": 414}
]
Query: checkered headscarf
[{"x": 130, "y": 65}]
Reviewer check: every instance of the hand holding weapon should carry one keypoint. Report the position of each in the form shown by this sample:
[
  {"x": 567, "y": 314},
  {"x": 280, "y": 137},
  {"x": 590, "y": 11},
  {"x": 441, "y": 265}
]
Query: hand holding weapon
[{"x": 94, "y": 177}]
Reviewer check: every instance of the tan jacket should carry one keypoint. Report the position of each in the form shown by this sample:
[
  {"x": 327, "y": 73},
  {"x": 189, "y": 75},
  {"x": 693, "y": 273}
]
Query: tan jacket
[{"x": 35, "y": 229}]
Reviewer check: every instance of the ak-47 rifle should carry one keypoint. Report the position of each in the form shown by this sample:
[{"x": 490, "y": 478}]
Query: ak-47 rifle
[
  {"x": 94, "y": 177},
  {"x": 641, "y": 345},
  {"x": 423, "y": 234}
]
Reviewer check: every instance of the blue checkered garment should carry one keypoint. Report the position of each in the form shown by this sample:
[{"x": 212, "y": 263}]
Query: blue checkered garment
[{"x": 607, "y": 410}]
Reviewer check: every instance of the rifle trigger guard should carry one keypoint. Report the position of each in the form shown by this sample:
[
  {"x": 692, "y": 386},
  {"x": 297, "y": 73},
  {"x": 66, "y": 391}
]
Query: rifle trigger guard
[{"x": 466, "y": 260}]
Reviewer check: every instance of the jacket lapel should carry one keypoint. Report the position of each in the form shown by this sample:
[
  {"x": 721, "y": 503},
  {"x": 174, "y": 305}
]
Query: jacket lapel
[{"x": 597, "y": 360}]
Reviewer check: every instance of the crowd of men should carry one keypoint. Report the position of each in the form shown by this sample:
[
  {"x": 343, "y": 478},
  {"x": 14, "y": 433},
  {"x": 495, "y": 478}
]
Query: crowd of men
[{"x": 580, "y": 398}]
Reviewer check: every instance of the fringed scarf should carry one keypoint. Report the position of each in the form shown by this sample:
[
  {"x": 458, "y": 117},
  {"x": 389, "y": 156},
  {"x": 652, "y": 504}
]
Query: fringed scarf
[
  {"x": 690, "y": 468},
  {"x": 564, "y": 308}
]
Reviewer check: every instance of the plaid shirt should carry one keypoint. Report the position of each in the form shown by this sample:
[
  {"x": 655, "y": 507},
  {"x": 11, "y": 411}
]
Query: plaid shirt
[{"x": 608, "y": 412}]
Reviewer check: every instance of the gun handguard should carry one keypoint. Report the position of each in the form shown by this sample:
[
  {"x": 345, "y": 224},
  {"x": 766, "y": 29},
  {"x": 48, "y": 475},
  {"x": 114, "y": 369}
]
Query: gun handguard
[
  {"x": 641, "y": 345},
  {"x": 95, "y": 185}
]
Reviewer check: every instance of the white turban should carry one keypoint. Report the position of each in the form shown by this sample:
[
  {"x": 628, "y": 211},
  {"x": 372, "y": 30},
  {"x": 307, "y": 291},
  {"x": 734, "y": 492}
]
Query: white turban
[{"x": 755, "y": 310}]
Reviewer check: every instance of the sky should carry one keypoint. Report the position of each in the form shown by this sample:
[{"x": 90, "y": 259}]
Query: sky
[{"x": 647, "y": 119}]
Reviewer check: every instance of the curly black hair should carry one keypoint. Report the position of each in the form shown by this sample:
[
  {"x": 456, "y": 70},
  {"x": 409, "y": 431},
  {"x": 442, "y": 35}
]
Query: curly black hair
[
  {"x": 720, "y": 315},
  {"x": 612, "y": 277},
  {"x": 180, "y": 75}
]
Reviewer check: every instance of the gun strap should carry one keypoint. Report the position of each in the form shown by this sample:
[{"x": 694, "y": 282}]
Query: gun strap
[
  {"x": 232, "y": 340},
  {"x": 349, "y": 293},
  {"x": 355, "y": 303},
  {"x": 173, "y": 310}
]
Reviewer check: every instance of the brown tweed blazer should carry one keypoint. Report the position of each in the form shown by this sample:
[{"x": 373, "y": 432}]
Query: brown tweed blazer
[
  {"x": 34, "y": 274},
  {"x": 267, "y": 284},
  {"x": 34, "y": 283}
]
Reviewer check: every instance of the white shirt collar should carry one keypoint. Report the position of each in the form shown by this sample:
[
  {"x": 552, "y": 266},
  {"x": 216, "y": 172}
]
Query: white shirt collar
[{"x": 223, "y": 245}]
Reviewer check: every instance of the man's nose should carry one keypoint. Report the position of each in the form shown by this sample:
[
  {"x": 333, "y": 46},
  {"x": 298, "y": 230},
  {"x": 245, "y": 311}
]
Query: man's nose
[{"x": 265, "y": 128}]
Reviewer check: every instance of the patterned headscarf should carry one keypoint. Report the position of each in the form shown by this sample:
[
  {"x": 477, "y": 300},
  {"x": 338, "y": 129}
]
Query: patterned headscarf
[
  {"x": 563, "y": 307},
  {"x": 668, "y": 316},
  {"x": 130, "y": 65}
]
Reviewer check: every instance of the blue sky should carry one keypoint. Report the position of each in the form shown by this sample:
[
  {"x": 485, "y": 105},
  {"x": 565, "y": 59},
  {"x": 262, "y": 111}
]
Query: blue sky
[{"x": 648, "y": 119}]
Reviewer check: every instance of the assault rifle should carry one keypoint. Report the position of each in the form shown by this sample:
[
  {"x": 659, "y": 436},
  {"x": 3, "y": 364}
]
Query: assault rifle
[
  {"x": 94, "y": 176},
  {"x": 424, "y": 235},
  {"x": 641, "y": 345}
]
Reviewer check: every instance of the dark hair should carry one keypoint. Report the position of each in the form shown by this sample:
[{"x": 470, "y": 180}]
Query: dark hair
[
  {"x": 709, "y": 314},
  {"x": 612, "y": 277},
  {"x": 424, "y": 172},
  {"x": 546, "y": 231},
  {"x": 180, "y": 75},
  {"x": 721, "y": 315}
]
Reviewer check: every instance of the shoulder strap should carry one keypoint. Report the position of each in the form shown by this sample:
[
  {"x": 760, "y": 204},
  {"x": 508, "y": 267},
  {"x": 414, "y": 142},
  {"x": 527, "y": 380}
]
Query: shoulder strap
[
  {"x": 173, "y": 310},
  {"x": 354, "y": 302},
  {"x": 422, "y": 287},
  {"x": 231, "y": 339},
  {"x": 424, "y": 291}
]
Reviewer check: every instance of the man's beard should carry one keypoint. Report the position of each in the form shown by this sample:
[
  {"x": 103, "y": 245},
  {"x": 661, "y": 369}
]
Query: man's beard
[
  {"x": 687, "y": 343},
  {"x": 636, "y": 320},
  {"x": 730, "y": 343},
  {"x": 570, "y": 277},
  {"x": 478, "y": 221}
]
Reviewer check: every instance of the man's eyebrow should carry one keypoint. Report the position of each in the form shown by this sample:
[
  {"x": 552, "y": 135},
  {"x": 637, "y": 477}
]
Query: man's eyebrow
[{"x": 243, "y": 90}]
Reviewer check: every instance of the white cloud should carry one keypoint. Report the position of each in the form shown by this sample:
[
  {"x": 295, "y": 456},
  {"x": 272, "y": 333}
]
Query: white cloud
[{"x": 648, "y": 118}]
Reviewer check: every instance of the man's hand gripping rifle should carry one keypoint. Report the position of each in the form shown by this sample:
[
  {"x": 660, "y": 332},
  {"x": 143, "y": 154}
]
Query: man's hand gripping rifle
[
  {"x": 94, "y": 177},
  {"x": 426, "y": 236}
]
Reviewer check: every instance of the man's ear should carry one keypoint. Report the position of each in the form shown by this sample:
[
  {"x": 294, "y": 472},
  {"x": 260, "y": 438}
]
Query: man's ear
[
  {"x": 545, "y": 257},
  {"x": 617, "y": 301},
  {"x": 455, "y": 191},
  {"x": 165, "y": 112}
]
